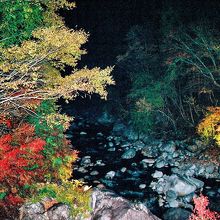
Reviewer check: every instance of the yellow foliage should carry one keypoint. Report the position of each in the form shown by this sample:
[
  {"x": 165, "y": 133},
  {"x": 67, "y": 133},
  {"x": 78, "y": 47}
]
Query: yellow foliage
[
  {"x": 70, "y": 193},
  {"x": 209, "y": 127},
  {"x": 32, "y": 70}
]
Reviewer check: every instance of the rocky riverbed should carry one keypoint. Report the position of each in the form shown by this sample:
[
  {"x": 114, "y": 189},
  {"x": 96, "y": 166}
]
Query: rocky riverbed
[{"x": 164, "y": 175}]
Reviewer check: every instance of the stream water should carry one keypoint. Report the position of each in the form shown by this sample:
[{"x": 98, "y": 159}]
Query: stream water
[{"x": 100, "y": 162}]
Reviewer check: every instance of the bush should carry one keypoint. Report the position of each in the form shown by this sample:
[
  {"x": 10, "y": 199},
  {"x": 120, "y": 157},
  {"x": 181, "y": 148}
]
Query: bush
[{"x": 201, "y": 211}]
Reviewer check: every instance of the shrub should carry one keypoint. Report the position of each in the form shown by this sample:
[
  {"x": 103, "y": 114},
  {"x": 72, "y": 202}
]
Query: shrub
[
  {"x": 201, "y": 212},
  {"x": 209, "y": 127}
]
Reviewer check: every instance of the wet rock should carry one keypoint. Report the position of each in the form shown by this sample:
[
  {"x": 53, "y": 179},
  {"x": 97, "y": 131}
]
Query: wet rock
[
  {"x": 83, "y": 133},
  {"x": 148, "y": 160},
  {"x": 181, "y": 187},
  {"x": 94, "y": 173},
  {"x": 110, "y": 144},
  {"x": 123, "y": 169},
  {"x": 38, "y": 211},
  {"x": 142, "y": 186},
  {"x": 192, "y": 148},
  {"x": 161, "y": 163},
  {"x": 150, "y": 151},
  {"x": 130, "y": 134},
  {"x": 85, "y": 161},
  {"x": 176, "y": 214},
  {"x": 59, "y": 212},
  {"x": 112, "y": 149},
  {"x": 100, "y": 134},
  {"x": 110, "y": 175},
  {"x": 196, "y": 182},
  {"x": 171, "y": 195},
  {"x": 169, "y": 147},
  {"x": 82, "y": 170},
  {"x": 129, "y": 154},
  {"x": 108, "y": 206},
  {"x": 210, "y": 168},
  {"x": 157, "y": 174},
  {"x": 138, "y": 145}
]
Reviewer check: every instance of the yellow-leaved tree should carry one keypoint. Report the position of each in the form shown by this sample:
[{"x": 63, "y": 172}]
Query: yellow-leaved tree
[{"x": 31, "y": 71}]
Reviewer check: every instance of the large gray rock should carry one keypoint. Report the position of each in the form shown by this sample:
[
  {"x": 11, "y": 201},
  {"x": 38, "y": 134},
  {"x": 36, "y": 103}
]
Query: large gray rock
[
  {"x": 108, "y": 206},
  {"x": 38, "y": 211}
]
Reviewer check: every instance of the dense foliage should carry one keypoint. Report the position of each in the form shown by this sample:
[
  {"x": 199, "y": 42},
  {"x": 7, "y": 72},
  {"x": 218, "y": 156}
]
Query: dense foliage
[
  {"x": 35, "y": 156},
  {"x": 173, "y": 78},
  {"x": 201, "y": 210}
]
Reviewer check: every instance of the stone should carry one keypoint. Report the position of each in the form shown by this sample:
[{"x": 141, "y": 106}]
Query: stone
[
  {"x": 110, "y": 144},
  {"x": 142, "y": 186},
  {"x": 94, "y": 173},
  {"x": 150, "y": 151},
  {"x": 59, "y": 212},
  {"x": 82, "y": 170},
  {"x": 192, "y": 148},
  {"x": 112, "y": 149},
  {"x": 157, "y": 174},
  {"x": 196, "y": 182},
  {"x": 210, "y": 169},
  {"x": 110, "y": 175},
  {"x": 38, "y": 211},
  {"x": 100, "y": 134},
  {"x": 123, "y": 169},
  {"x": 160, "y": 164},
  {"x": 85, "y": 160},
  {"x": 129, "y": 154},
  {"x": 83, "y": 133},
  {"x": 181, "y": 187},
  {"x": 176, "y": 214},
  {"x": 139, "y": 145},
  {"x": 171, "y": 195},
  {"x": 174, "y": 204},
  {"x": 148, "y": 160},
  {"x": 107, "y": 205},
  {"x": 169, "y": 147}
]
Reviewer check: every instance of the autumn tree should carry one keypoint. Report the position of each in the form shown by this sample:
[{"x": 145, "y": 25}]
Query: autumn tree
[{"x": 34, "y": 152}]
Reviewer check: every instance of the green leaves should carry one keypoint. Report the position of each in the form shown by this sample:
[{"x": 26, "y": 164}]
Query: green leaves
[
  {"x": 19, "y": 19},
  {"x": 2, "y": 195}
]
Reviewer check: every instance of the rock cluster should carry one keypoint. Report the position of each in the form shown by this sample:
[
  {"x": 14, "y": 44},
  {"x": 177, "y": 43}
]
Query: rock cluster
[
  {"x": 133, "y": 164},
  {"x": 105, "y": 205}
]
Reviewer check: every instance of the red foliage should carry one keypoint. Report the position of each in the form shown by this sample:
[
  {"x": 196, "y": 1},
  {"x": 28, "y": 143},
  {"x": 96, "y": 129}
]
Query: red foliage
[
  {"x": 21, "y": 162},
  {"x": 201, "y": 212}
]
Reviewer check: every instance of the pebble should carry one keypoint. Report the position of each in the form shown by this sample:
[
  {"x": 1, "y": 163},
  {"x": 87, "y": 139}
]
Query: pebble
[
  {"x": 82, "y": 133},
  {"x": 94, "y": 173},
  {"x": 142, "y": 186},
  {"x": 112, "y": 149},
  {"x": 129, "y": 154},
  {"x": 110, "y": 144},
  {"x": 110, "y": 175},
  {"x": 82, "y": 170},
  {"x": 123, "y": 169},
  {"x": 157, "y": 174}
]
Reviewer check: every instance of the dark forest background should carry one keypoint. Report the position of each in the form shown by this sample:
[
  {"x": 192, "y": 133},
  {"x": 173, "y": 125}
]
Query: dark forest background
[{"x": 141, "y": 39}]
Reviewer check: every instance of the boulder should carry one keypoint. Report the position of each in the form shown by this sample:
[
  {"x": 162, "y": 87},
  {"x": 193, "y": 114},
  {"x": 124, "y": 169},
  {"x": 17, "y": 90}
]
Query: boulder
[
  {"x": 39, "y": 211},
  {"x": 107, "y": 205}
]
